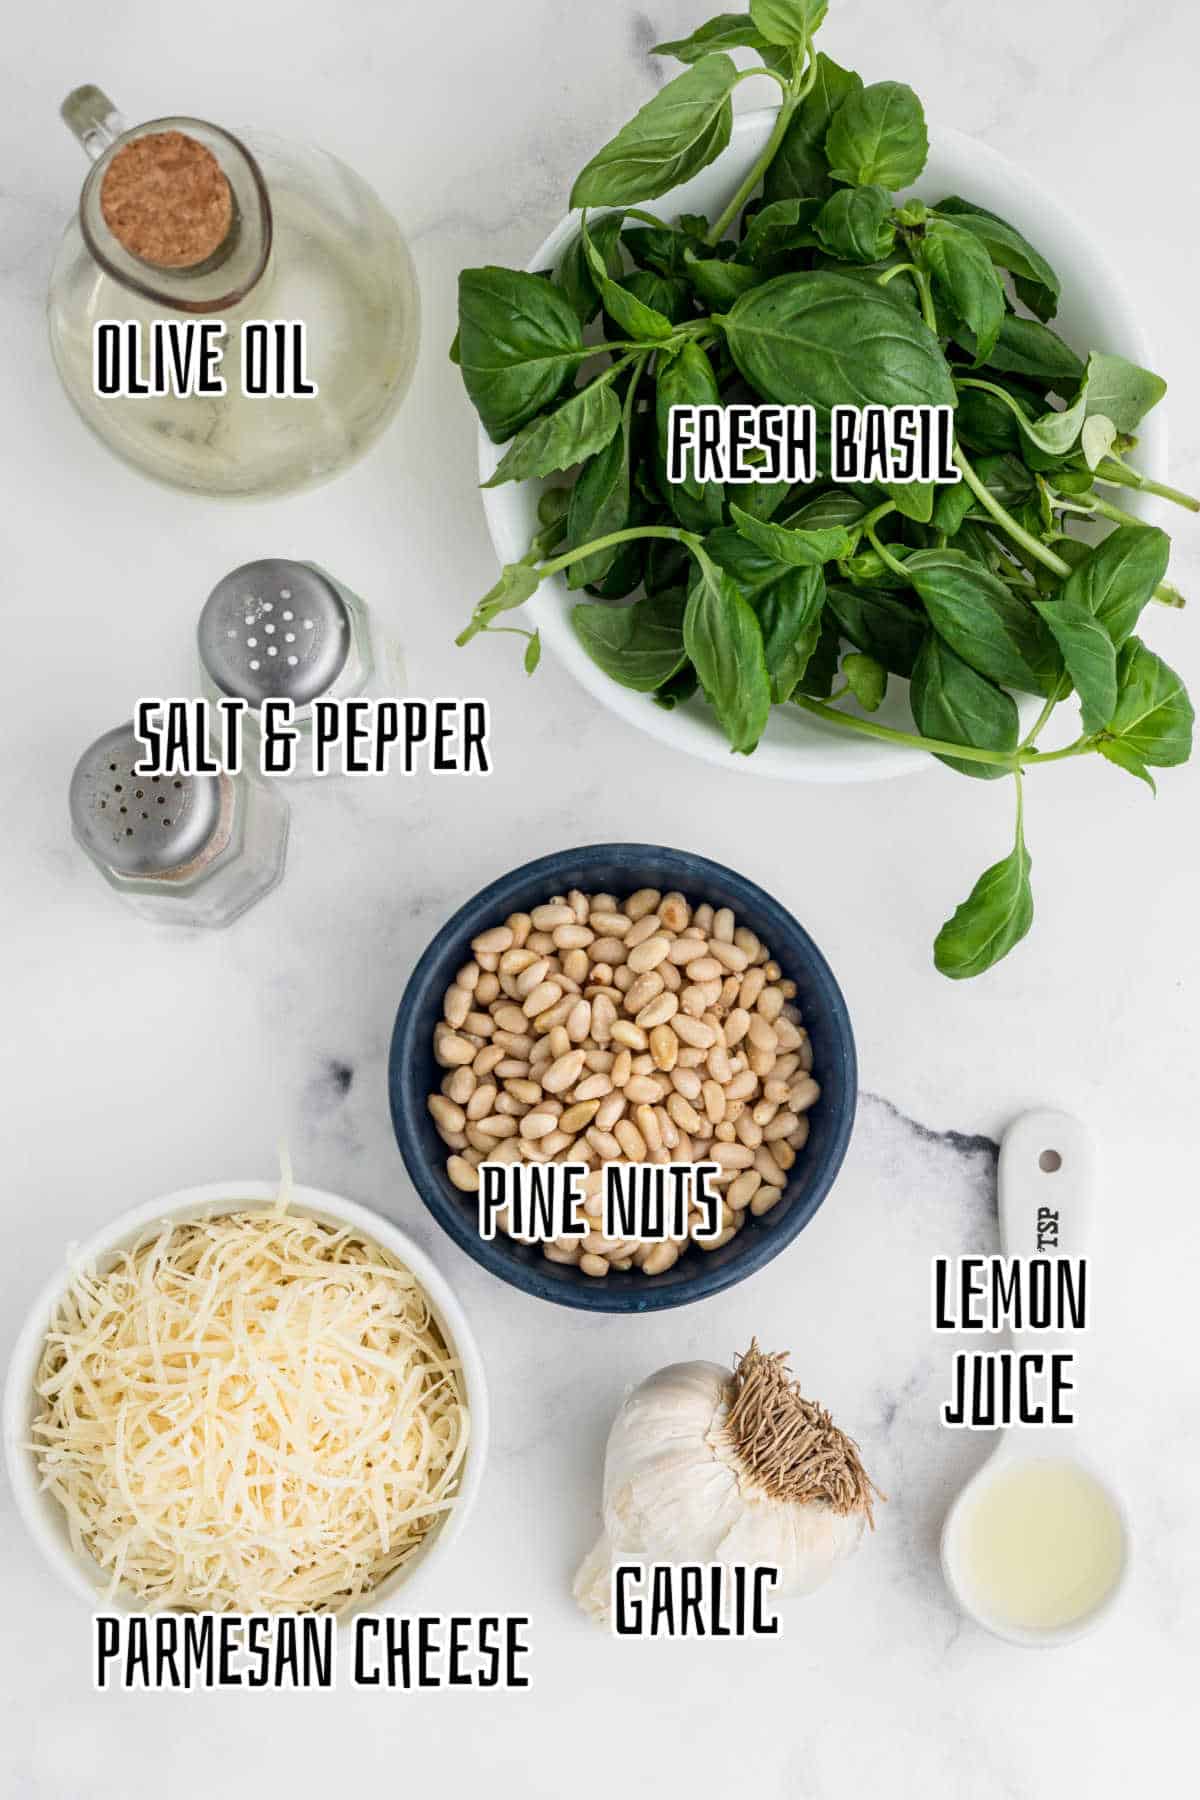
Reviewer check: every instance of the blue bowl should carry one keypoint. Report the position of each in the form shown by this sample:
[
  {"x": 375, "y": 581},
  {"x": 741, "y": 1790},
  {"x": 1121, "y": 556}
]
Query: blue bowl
[{"x": 620, "y": 869}]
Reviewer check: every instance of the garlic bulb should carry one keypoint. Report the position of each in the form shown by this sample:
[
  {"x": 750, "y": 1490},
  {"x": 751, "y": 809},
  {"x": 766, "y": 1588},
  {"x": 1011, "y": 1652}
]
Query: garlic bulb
[{"x": 705, "y": 1466}]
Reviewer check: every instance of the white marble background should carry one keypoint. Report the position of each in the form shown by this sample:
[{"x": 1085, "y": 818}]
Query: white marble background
[{"x": 136, "y": 1061}]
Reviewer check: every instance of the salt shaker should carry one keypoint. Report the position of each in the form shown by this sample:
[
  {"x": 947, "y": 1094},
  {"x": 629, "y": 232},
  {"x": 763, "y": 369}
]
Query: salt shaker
[
  {"x": 182, "y": 849},
  {"x": 281, "y": 629}
]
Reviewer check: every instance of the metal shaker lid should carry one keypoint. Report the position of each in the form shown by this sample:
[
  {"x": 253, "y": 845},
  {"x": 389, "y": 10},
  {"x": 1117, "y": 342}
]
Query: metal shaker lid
[
  {"x": 140, "y": 824},
  {"x": 274, "y": 629}
]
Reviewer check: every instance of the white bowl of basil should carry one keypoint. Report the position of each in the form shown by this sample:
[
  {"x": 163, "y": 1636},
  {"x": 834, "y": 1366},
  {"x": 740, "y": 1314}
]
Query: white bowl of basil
[{"x": 797, "y": 744}]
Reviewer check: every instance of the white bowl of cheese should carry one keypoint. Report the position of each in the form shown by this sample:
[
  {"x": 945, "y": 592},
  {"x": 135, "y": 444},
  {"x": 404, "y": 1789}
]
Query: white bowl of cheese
[{"x": 317, "y": 1314}]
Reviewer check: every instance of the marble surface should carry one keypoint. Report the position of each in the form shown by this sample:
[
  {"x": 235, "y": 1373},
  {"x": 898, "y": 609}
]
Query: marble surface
[{"x": 136, "y": 1061}]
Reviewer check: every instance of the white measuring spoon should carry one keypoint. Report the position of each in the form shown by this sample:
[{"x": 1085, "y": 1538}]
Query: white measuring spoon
[{"x": 1047, "y": 1161}]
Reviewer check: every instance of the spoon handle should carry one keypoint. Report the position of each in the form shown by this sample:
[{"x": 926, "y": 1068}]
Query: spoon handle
[{"x": 1046, "y": 1181}]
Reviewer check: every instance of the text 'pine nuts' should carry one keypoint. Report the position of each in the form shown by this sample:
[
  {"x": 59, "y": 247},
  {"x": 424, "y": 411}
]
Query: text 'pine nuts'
[{"x": 653, "y": 1031}]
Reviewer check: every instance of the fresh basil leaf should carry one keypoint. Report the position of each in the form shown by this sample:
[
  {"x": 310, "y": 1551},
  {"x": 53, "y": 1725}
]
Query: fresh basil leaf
[
  {"x": 1087, "y": 651},
  {"x": 867, "y": 679},
  {"x": 951, "y": 701},
  {"x": 518, "y": 582},
  {"x": 878, "y": 135},
  {"x": 1118, "y": 753},
  {"x": 1096, "y": 440},
  {"x": 640, "y": 646},
  {"x": 913, "y": 499},
  {"x": 777, "y": 229},
  {"x": 762, "y": 499},
  {"x": 599, "y": 505},
  {"x": 788, "y": 22},
  {"x": 1114, "y": 581},
  {"x": 991, "y": 921},
  {"x": 681, "y": 687},
  {"x": 839, "y": 506},
  {"x": 455, "y": 350},
  {"x": 984, "y": 622},
  {"x": 719, "y": 283},
  {"x": 533, "y": 653},
  {"x": 667, "y": 295},
  {"x": 575, "y": 276},
  {"x": 964, "y": 274},
  {"x": 954, "y": 501},
  {"x": 1027, "y": 347},
  {"x": 656, "y": 247},
  {"x": 728, "y": 31},
  {"x": 675, "y": 135},
  {"x": 632, "y": 316},
  {"x": 1120, "y": 391},
  {"x": 725, "y": 644},
  {"x": 800, "y": 168},
  {"x": 789, "y": 617},
  {"x": 581, "y": 426},
  {"x": 519, "y": 345},
  {"x": 1039, "y": 285},
  {"x": 820, "y": 671},
  {"x": 856, "y": 224},
  {"x": 752, "y": 569},
  {"x": 1153, "y": 715},
  {"x": 820, "y": 338},
  {"x": 879, "y": 623},
  {"x": 686, "y": 379},
  {"x": 798, "y": 549}
]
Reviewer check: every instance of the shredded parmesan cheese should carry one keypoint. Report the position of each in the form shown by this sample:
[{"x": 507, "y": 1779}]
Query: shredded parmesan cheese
[{"x": 255, "y": 1413}]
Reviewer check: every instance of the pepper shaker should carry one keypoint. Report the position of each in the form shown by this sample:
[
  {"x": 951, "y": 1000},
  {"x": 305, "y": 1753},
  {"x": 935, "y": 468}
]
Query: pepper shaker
[
  {"x": 182, "y": 849},
  {"x": 282, "y": 629}
]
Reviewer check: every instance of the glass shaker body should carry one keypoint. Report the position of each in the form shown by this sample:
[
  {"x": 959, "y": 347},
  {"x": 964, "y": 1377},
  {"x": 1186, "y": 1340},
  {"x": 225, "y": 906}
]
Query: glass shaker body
[
  {"x": 288, "y": 628},
  {"x": 181, "y": 850}
]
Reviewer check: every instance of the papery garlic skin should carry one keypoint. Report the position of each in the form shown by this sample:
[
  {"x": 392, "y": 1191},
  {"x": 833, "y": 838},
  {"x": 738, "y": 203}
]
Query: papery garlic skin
[{"x": 673, "y": 1494}]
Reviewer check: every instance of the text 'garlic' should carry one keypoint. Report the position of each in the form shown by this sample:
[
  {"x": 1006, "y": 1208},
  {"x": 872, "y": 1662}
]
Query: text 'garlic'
[{"x": 708, "y": 1466}]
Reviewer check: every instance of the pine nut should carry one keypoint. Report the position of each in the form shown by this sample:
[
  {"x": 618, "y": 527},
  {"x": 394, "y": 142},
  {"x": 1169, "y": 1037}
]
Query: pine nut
[
  {"x": 630, "y": 1035},
  {"x": 446, "y": 1115},
  {"x": 594, "y": 1087},
  {"x": 686, "y": 1082},
  {"x": 657, "y": 1012},
  {"x": 610, "y": 1110},
  {"x": 694, "y": 1032},
  {"x": 641, "y": 903},
  {"x": 451, "y": 1050},
  {"x": 493, "y": 942},
  {"x": 664, "y": 1048},
  {"x": 460, "y": 1085},
  {"x": 742, "y": 1189},
  {"x": 546, "y": 918},
  {"x": 647, "y": 987},
  {"x": 674, "y": 912},
  {"x": 770, "y": 1003},
  {"x": 661, "y": 1258},
  {"x": 593, "y": 1265},
  {"x": 610, "y": 924},
  {"x": 683, "y": 1113},
  {"x": 806, "y": 1093},
  {"x": 577, "y": 1116},
  {"x": 563, "y": 1073},
  {"x": 630, "y": 1139},
  {"x": 764, "y": 1200},
  {"x": 463, "y": 1175},
  {"x": 685, "y": 951},
  {"x": 603, "y": 1143},
  {"x": 648, "y": 955}
]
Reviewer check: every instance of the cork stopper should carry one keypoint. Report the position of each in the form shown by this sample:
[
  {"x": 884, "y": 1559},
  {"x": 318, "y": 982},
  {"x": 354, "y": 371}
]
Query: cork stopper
[{"x": 166, "y": 199}]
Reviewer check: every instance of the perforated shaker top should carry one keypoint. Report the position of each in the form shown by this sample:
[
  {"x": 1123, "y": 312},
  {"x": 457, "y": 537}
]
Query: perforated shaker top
[
  {"x": 274, "y": 629},
  {"x": 140, "y": 824}
]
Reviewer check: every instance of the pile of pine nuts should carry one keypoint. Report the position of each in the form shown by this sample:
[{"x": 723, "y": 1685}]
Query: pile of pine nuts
[{"x": 592, "y": 1030}]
